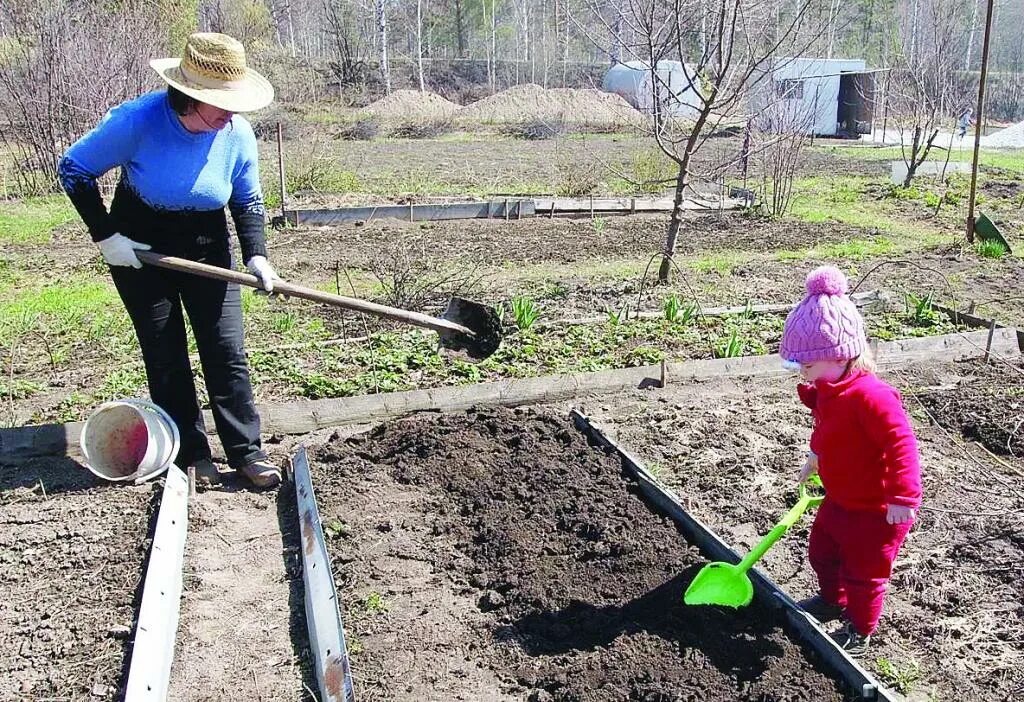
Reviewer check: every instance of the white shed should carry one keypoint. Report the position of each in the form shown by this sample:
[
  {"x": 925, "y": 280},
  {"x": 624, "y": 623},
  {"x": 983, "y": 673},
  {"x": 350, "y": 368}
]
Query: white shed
[
  {"x": 836, "y": 95},
  {"x": 675, "y": 86}
]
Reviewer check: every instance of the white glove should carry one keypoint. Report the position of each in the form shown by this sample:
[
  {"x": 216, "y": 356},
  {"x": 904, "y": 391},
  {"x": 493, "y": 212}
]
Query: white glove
[
  {"x": 260, "y": 267},
  {"x": 119, "y": 250}
]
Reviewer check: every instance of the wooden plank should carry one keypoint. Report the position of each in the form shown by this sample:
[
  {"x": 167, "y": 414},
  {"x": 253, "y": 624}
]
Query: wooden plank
[
  {"x": 157, "y": 626},
  {"x": 299, "y": 417},
  {"x": 323, "y": 617},
  {"x": 415, "y": 213},
  {"x": 858, "y": 680}
]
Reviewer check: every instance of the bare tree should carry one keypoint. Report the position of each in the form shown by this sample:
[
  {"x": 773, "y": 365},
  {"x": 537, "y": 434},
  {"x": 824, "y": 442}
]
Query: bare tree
[
  {"x": 744, "y": 40},
  {"x": 923, "y": 93},
  {"x": 381, "y": 16},
  {"x": 63, "y": 67}
]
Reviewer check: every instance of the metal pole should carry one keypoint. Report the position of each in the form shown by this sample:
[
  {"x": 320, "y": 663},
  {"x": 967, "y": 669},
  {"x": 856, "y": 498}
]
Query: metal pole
[
  {"x": 978, "y": 118},
  {"x": 280, "y": 168}
]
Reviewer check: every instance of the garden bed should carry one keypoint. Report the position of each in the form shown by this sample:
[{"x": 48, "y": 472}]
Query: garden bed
[
  {"x": 72, "y": 556},
  {"x": 731, "y": 450},
  {"x": 495, "y": 555}
]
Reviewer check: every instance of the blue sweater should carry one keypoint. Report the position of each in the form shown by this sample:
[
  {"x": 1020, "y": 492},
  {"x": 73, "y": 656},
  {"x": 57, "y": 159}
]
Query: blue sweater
[{"x": 167, "y": 174}]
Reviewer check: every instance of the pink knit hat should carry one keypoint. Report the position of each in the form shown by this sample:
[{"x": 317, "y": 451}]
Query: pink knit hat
[{"x": 826, "y": 325}]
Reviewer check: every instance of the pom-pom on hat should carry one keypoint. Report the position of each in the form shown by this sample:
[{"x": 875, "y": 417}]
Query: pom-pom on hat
[{"x": 826, "y": 325}]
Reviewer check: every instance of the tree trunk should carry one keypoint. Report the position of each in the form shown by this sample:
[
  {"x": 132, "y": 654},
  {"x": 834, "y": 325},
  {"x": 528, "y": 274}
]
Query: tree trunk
[
  {"x": 970, "y": 35},
  {"x": 494, "y": 50},
  {"x": 682, "y": 181},
  {"x": 382, "y": 34},
  {"x": 419, "y": 43},
  {"x": 460, "y": 29}
]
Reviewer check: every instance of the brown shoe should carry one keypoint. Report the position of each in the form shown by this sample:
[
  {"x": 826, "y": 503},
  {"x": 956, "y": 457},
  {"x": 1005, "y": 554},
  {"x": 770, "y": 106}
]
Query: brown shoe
[
  {"x": 262, "y": 474},
  {"x": 207, "y": 475}
]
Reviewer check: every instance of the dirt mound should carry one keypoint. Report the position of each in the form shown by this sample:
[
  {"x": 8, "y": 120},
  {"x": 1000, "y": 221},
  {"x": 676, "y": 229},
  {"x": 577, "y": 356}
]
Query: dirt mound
[
  {"x": 574, "y": 585},
  {"x": 412, "y": 106},
  {"x": 578, "y": 106}
]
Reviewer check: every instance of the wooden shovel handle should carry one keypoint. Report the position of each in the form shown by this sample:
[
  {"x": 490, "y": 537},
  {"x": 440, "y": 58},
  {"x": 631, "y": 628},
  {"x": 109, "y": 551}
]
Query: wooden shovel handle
[{"x": 205, "y": 270}]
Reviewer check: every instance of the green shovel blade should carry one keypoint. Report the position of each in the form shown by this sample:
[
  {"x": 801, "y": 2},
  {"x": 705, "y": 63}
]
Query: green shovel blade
[
  {"x": 729, "y": 585},
  {"x": 720, "y": 584}
]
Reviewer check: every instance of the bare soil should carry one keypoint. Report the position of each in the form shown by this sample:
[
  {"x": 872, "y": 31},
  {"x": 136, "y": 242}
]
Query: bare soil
[
  {"x": 507, "y": 558},
  {"x": 243, "y": 632},
  {"x": 951, "y": 630},
  {"x": 71, "y": 562}
]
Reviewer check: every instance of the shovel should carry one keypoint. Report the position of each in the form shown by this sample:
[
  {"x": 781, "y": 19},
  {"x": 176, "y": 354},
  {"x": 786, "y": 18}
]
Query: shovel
[
  {"x": 729, "y": 585},
  {"x": 467, "y": 328}
]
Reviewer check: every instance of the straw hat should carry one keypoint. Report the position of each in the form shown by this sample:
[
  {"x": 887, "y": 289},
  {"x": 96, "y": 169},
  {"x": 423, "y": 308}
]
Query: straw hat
[{"x": 213, "y": 71}]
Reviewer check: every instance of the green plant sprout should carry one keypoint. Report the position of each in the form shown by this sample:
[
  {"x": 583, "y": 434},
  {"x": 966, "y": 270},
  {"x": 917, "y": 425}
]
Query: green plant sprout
[{"x": 525, "y": 311}]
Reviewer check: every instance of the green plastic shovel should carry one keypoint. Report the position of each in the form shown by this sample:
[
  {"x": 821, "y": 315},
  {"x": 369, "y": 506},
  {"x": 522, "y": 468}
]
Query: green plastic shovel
[{"x": 729, "y": 585}]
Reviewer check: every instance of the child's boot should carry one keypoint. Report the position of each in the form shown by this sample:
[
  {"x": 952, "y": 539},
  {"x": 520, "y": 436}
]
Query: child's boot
[
  {"x": 820, "y": 609},
  {"x": 851, "y": 640}
]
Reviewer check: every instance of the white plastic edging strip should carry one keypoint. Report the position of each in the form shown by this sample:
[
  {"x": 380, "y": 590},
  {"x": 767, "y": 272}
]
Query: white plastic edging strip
[
  {"x": 157, "y": 626},
  {"x": 323, "y": 618}
]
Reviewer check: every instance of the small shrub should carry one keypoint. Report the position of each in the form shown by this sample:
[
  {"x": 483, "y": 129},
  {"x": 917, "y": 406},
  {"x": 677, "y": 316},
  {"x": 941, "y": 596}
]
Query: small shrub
[
  {"x": 990, "y": 248},
  {"x": 363, "y": 129},
  {"x": 525, "y": 311},
  {"x": 577, "y": 179},
  {"x": 421, "y": 130},
  {"x": 652, "y": 171},
  {"x": 535, "y": 130}
]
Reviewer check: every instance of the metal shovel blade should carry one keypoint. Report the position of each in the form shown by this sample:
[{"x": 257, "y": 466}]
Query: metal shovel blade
[
  {"x": 483, "y": 323},
  {"x": 720, "y": 584}
]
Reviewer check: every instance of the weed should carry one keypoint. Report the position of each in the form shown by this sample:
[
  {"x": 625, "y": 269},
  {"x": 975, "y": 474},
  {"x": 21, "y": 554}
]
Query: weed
[
  {"x": 335, "y": 528},
  {"x": 748, "y": 311},
  {"x": 576, "y": 179},
  {"x": 731, "y": 347},
  {"x": 375, "y": 604},
  {"x": 672, "y": 306},
  {"x": 122, "y": 383},
  {"x": 617, "y": 316},
  {"x": 990, "y": 248},
  {"x": 902, "y": 677},
  {"x": 525, "y": 311},
  {"x": 354, "y": 643},
  {"x": 652, "y": 171},
  {"x": 599, "y": 224},
  {"x": 919, "y": 310}
]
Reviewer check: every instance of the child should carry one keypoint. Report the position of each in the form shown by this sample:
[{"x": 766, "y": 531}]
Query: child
[{"x": 864, "y": 450}]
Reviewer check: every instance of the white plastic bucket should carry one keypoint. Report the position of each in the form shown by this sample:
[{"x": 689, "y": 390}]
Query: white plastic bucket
[{"x": 129, "y": 440}]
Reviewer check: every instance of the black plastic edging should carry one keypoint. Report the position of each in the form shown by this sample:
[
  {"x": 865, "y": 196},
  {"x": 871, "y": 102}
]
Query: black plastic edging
[{"x": 860, "y": 681}]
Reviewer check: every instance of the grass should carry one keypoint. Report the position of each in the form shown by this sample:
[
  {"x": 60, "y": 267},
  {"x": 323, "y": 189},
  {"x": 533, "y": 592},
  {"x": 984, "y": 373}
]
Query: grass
[
  {"x": 990, "y": 248},
  {"x": 81, "y": 306},
  {"x": 844, "y": 199},
  {"x": 721, "y": 262},
  {"x": 33, "y": 220},
  {"x": 1008, "y": 160}
]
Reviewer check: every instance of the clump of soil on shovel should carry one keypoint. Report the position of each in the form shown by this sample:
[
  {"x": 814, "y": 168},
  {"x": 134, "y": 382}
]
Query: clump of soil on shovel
[{"x": 575, "y": 584}]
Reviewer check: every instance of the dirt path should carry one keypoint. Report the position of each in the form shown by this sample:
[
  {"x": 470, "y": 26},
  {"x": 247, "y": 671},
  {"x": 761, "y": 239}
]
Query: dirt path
[{"x": 242, "y": 608}]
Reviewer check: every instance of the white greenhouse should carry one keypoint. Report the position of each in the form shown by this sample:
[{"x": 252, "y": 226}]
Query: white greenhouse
[
  {"x": 675, "y": 89},
  {"x": 827, "y": 97}
]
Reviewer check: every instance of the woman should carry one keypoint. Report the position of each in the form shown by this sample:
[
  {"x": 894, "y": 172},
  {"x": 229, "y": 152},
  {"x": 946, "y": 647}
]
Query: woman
[{"x": 184, "y": 155}]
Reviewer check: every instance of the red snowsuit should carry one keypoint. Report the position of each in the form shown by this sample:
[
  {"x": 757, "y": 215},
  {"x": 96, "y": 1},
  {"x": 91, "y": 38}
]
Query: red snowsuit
[{"x": 867, "y": 459}]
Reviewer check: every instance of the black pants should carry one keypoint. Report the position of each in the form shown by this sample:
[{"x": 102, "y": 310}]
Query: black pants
[{"x": 155, "y": 299}]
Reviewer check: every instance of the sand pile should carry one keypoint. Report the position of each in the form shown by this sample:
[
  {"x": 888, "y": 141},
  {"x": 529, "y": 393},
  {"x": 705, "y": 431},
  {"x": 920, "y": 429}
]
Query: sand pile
[
  {"x": 578, "y": 106},
  {"x": 1010, "y": 138},
  {"x": 412, "y": 106}
]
